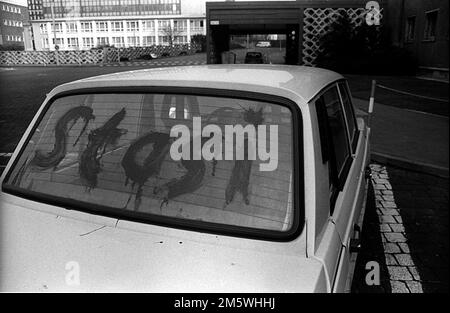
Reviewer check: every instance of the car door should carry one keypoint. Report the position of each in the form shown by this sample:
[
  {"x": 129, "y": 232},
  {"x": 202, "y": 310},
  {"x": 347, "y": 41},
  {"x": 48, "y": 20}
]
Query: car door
[
  {"x": 343, "y": 155},
  {"x": 327, "y": 242},
  {"x": 350, "y": 202}
]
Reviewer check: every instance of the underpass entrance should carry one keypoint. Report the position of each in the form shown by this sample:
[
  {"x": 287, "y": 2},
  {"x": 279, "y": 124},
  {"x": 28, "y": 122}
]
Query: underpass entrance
[
  {"x": 271, "y": 29},
  {"x": 296, "y": 25}
]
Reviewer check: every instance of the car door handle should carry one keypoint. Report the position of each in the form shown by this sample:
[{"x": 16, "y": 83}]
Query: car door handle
[{"x": 355, "y": 242}]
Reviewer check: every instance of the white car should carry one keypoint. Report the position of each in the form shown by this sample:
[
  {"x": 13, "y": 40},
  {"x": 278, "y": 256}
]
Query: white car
[
  {"x": 95, "y": 199},
  {"x": 263, "y": 44}
]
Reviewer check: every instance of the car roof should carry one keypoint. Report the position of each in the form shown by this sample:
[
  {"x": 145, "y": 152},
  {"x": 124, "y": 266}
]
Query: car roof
[{"x": 283, "y": 80}]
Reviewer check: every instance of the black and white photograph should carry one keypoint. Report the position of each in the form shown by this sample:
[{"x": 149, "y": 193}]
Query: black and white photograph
[{"x": 224, "y": 153}]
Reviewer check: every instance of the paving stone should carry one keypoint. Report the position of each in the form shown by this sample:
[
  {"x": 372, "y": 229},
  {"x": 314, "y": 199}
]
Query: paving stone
[
  {"x": 387, "y": 219},
  {"x": 413, "y": 270},
  {"x": 399, "y": 287},
  {"x": 387, "y": 192},
  {"x": 388, "y": 198},
  {"x": 399, "y": 273},
  {"x": 399, "y": 219},
  {"x": 414, "y": 286},
  {"x": 379, "y": 187},
  {"x": 391, "y": 247},
  {"x": 385, "y": 228},
  {"x": 404, "y": 247},
  {"x": 404, "y": 259},
  {"x": 389, "y": 211},
  {"x": 395, "y": 237},
  {"x": 389, "y": 204},
  {"x": 398, "y": 228},
  {"x": 381, "y": 181},
  {"x": 390, "y": 259}
]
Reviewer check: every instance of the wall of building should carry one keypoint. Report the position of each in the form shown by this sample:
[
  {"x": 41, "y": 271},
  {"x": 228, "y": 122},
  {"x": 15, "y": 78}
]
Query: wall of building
[
  {"x": 12, "y": 19},
  {"x": 430, "y": 51},
  {"x": 89, "y": 23},
  {"x": 82, "y": 34}
]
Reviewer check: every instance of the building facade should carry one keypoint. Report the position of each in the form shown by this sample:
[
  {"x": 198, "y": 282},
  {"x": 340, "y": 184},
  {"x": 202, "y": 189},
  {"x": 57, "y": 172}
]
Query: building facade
[
  {"x": 85, "y": 24},
  {"x": 422, "y": 27},
  {"x": 13, "y": 18}
]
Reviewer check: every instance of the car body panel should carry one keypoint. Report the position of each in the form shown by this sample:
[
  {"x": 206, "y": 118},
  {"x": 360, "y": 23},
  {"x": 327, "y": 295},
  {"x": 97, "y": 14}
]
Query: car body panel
[
  {"x": 293, "y": 82},
  {"x": 121, "y": 255}
]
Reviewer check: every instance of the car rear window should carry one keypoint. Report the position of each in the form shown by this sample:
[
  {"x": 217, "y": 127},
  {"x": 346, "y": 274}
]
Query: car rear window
[{"x": 115, "y": 151}]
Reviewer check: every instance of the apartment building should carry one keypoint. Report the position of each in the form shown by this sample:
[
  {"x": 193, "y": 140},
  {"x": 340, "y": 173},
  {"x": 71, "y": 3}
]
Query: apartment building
[
  {"x": 85, "y": 24},
  {"x": 13, "y": 18},
  {"x": 422, "y": 27}
]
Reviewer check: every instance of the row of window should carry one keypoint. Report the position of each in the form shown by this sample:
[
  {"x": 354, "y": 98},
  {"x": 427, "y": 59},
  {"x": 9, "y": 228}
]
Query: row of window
[
  {"x": 12, "y": 9},
  {"x": 34, "y": 7},
  {"x": 13, "y": 38},
  {"x": 65, "y": 8},
  {"x": 135, "y": 41},
  {"x": 12, "y": 23},
  {"x": 429, "y": 33},
  {"x": 118, "y": 26}
]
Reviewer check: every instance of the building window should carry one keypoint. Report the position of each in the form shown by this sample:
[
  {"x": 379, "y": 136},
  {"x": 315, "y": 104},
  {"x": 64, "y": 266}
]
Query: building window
[
  {"x": 163, "y": 40},
  {"x": 43, "y": 28},
  {"x": 102, "y": 26},
  {"x": 59, "y": 41},
  {"x": 133, "y": 41},
  {"x": 180, "y": 25},
  {"x": 196, "y": 26},
  {"x": 71, "y": 27},
  {"x": 72, "y": 42},
  {"x": 148, "y": 41},
  {"x": 117, "y": 27},
  {"x": 57, "y": 27},
  {"x": 118, "y": 42},
  {"x": 430, "y": 25},
  {"x": 410, "y": 28},
  {"x": 132, "y": 26},
  {"x": 179, "y": 40},
  {"x": 88, "y": 42},
  {"x": 86, "y": 27},
  {"x": 163, "y": 24},
  {"x": 102, "y": 41},
  {"x": 148, "y": 25}
]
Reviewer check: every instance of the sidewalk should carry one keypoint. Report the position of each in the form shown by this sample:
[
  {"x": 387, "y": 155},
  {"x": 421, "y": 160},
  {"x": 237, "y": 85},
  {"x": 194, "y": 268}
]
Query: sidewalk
[{"x": 416, "y": 140}]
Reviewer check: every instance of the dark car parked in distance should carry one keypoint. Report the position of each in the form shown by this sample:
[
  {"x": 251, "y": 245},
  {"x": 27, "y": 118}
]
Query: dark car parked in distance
[{"x": 254, "y": 58}]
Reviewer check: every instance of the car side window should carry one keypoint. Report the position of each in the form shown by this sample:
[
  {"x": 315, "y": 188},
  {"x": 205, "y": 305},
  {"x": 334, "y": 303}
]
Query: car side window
[
  {"x": 349, "y": 113},
  {"x": 337, "y": 128},
  {"x": 334, "y": 139}
]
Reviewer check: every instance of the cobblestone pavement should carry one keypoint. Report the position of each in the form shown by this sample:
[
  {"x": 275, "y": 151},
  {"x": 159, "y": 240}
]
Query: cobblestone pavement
[{"x": 406, "y": 232}]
